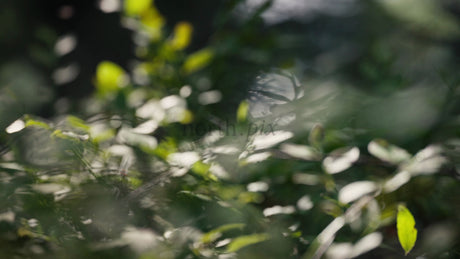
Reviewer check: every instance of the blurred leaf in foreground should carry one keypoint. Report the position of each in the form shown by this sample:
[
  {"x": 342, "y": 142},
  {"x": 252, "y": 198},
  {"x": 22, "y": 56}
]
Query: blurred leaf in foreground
[
  {"x": 242, "y": 112},
  {"x": 198, "y": 60},
  {"x": 109, "y": 77},
  {"x": 387, "y": 152},
  {"x": 137, "y": 7},
  {"x": 182, "y": 35},
  {"x": 243, "y": 241},
  {"x": 340, "y": 159}
]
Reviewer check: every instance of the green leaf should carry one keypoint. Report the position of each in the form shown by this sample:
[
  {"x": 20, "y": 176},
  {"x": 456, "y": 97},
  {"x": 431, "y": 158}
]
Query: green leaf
[
  {"x": 244, "y": 241},
  {"x": 137, "y": 7},
  {"x": 214, "y": 234},
  {"x": 182, "y": 36},
  {"x": 109, "y": 77},
  {"x": 198, "y": 60},
  {"x": 78, "y": 123},
  {"x": 202, "y": 169},
  {"x": 36, "y": 123},
  {"x": 242, "y": 112},
  {"x": 405, "y": 224}
]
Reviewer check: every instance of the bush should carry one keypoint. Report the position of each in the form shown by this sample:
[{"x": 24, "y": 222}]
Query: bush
[{"x": 326, "y": 134}]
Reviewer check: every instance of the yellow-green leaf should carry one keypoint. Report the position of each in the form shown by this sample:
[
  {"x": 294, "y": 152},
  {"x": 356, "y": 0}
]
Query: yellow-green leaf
[
  {"x": 405, "y": 224},
  {"x": 198, "y": 60},
  {"x": 214, "y": 234},
  {"x": 202, "y": 169},
  {"x": 153, "y": 23},
  {"x": 187, "y": 117},
  {"x": 244, "y": 241},
  {"x": 182, "y": 35},
  {"x": 78, "y": 123},
  {"x": 103, "y": 136},
  {"x": 242, "y": 113},
  {"x": 137, "y": 7},
  {"x": 36, "y": 123},
  {"x": 109, "y": 77}
]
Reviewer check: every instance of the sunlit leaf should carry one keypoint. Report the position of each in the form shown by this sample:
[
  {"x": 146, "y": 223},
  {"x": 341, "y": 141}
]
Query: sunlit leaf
[
  {"x": 137, "y": 7},
  {"x": 256, "y": 158},
  {"x": 267, "y": 140},
  {"x": 184, "y": 159},
  {"x": 147, "y": 127},
  {"x": 356, "y": 190},
  {"x": 202, "y": 169},
  {"x": 134, "y": 182},
  {"x": 305, "y": 203},
  {"x": 24, "y": 232},
  {"x": 139, "y": 240},
  {"x": 242, "y": 112},
  {"x": 103, "y": 135},
  {"x": 250, "y": 197},
  {"x": 153, "y": 23},
  {"x": 367, "y": 243},
  {"x": 427, "y": 161},
  {"x": 47, "y": 188},
  {"x": 214, "y": 234},
  {"x": 396, "y": 181},
  {"x": 166, "y": 148},
  {"x": 278, "y": 210},
  {"x": 78, "y": 123},
  {"x": 109, "y": 77},
  {"x": 8, "y": 216},
  {"x": 243, "y": 241},
  {"x": 182, "y": 35},
  {"x": 259, "y": 186},
  {"x": 405, "y": 224},
  {"x": 198, "y": 60},
  {"x": 387, "y": 152},
  {"x": 146, "y": 142},
  {"x": 300, "y": 151},
  {"x": 340, "y": 160},
  {"x": 36, "y": 123},
  {"x": 69, "y": 135},
  {"x": 187, "y": 117},
  {"x": 16, "y": 126},
  {"x": 348, "y": 250}
]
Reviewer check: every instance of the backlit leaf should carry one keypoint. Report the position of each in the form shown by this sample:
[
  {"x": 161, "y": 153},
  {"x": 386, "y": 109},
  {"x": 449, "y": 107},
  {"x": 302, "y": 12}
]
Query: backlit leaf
[
  {"x": 244, "y": 241},
  {"x": 356, "y": 190},
  {"x": 214, "y": 234},
  {"x": 36, "y": 123},
  {"x": 137, "y": 7},
  {"x": 387, "y": 152},
  {"x": 405, "y": 224},
  {"x": 182, "y": 35},
  {"x": 242, "y": 112},
  {"x": 198, "y": 60},
  {"x": 340, "y": 160},
  {"x": 109, "y": 77},
  {"x": 78, "y": 123}
]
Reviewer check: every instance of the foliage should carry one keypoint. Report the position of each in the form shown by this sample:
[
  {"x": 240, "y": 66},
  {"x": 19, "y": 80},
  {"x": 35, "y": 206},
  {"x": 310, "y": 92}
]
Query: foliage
[
  {"x": 251, "y": 146},
  {"x": 407, "y": 233}
]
